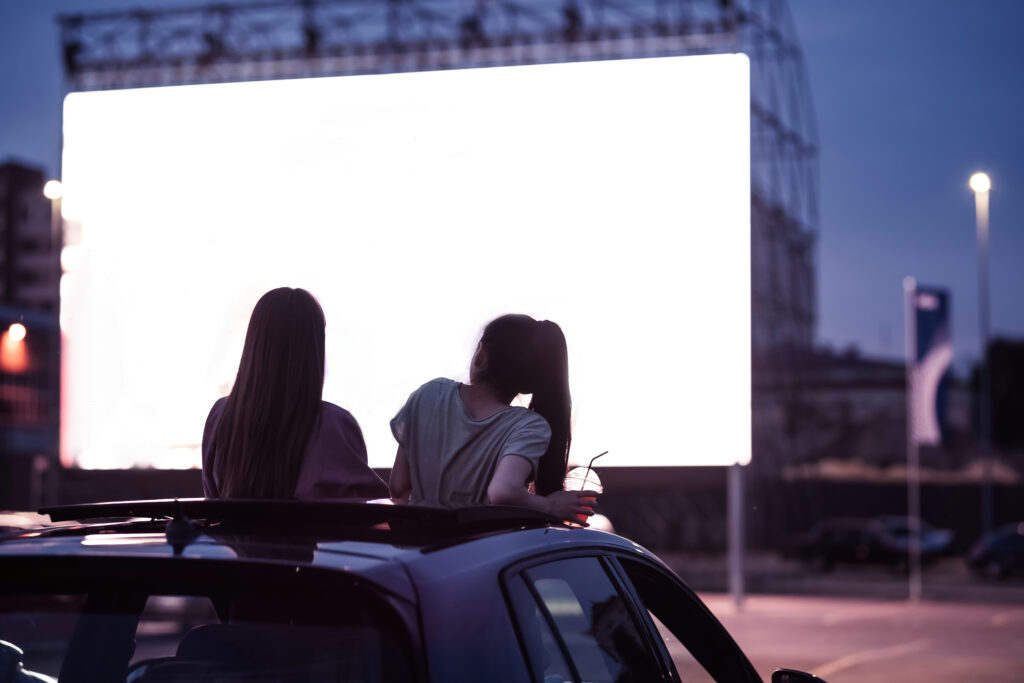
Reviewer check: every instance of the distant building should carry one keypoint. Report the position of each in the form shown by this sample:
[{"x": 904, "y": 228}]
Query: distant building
[
  {"x": 29, "y": 380},
  {"x": 29, "y": 338},
  {"x": 858, "y": 412},
  {"x": 1006, "y": 394},
  {"x": 29, "y": 250},
  {"x": 846, "y": 407}
]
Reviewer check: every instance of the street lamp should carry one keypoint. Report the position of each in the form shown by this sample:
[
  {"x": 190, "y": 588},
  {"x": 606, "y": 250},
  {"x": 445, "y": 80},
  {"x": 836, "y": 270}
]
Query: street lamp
[
  {"x": 47, "y": 467},
  {"x": 16, "y": 332},
  {"x": 53, "y": 189},
  {"x": 981, "y": 185},
  {"x": 13, "y": 352}
]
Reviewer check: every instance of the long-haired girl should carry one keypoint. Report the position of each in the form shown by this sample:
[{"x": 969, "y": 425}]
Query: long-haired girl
[{"x": 274, "y": 436}]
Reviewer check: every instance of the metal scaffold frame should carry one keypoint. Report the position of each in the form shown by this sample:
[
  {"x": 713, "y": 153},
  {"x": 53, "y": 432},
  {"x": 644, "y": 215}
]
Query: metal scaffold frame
[{"x": 273, "y": 39}]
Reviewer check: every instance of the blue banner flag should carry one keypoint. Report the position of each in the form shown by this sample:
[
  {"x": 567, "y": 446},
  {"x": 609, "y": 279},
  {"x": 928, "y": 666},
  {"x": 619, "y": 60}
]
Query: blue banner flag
[{"x": 933, "y": 355}]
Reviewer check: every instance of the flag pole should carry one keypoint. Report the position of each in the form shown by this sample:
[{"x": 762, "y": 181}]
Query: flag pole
[{"x": 913, "y": 458}]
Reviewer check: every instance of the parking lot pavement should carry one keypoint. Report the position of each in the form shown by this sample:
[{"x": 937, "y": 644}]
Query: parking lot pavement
[{"x": 854, "y": 639}]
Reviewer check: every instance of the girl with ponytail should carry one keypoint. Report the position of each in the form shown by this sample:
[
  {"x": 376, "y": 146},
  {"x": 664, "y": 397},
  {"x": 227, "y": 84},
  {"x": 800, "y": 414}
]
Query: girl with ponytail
[{"x": 463, "y": 444}]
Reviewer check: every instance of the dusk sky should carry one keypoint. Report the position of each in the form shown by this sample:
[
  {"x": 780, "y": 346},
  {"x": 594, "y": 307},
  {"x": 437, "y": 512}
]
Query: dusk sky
[{"x": 911, "y": 97}]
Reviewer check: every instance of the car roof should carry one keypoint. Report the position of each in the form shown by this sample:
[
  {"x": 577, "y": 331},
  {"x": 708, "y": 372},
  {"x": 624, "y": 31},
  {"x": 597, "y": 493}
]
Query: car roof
[{"x": 380, "y": 541}]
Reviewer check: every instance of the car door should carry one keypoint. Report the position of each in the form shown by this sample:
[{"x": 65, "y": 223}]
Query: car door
[{"x": 576, "y": 623}]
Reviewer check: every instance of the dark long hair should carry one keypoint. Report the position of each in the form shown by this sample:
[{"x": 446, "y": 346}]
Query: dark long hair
[
  {"x": 274, "y": 405},
  {"x": 527, "y": 356}
]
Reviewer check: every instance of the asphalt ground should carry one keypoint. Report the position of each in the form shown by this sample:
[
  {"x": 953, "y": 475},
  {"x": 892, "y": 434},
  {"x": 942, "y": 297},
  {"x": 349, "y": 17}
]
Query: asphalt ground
[
  {"x": 856, "y": 623},
  {"x": 854, "y": 639}
]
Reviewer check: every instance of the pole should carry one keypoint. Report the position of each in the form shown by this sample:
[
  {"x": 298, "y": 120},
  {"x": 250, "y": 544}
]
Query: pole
[
  {"x": 52, "y": 464},
  {"x": 736, "y": 587},
  {"x": 913, "y": 455},
  {"x": 984, "y": 397}
]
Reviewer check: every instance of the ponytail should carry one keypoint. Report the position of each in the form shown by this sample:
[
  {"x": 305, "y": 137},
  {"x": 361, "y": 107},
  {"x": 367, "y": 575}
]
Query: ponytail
[
  {"x": 552, "y": 401},
  {"x": 526, "y": 356}
]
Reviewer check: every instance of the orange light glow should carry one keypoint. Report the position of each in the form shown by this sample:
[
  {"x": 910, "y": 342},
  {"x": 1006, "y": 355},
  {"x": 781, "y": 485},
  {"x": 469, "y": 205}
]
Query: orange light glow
[{"x": 13, "y": 351}]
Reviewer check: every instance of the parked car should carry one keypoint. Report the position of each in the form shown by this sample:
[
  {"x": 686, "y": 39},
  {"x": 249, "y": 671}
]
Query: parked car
[
  {"x": 883, "y": 540},
  {"x": 1000, "y": 553},
  {"x": 215, "y": 590},
  {"x": 895, "y": 532}
]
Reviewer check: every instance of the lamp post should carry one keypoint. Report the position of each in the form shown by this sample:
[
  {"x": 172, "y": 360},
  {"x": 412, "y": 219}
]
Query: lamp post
[
  {"x": 47, "y": 469},
  {"x": 54, "y": 191},
  {"x": 914, "y": 586},
  {"x": 981, "y": 185}
]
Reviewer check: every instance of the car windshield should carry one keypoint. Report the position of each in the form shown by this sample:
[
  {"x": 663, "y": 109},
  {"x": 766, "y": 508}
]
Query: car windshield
[{"x": 247, "y": 625}]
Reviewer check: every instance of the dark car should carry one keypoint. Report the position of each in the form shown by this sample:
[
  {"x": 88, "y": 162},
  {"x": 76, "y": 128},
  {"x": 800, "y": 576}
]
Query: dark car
[
  {"x": 881, "y": 541},
  {"x": 346, "y": 591},
  {"x": 999, "y": 553}
]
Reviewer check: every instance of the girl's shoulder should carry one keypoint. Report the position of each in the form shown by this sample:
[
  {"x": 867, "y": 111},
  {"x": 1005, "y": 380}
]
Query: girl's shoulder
[
  {"x": 439, "y": 386},
  {"x": 215, "y": 411},
  {"x": 332, "y": 412}
]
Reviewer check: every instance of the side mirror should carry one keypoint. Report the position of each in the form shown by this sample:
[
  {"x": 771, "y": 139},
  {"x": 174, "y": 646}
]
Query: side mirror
[{"x": 793, "y": 676}]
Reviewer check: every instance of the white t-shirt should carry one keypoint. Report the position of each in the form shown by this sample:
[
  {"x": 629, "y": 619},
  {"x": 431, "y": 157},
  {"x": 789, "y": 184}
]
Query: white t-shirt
[{"x": 452, "y": 456}]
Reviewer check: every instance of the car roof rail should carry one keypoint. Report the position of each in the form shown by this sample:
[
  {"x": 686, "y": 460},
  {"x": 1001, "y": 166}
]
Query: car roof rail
[{"x": 319, "y": 513}]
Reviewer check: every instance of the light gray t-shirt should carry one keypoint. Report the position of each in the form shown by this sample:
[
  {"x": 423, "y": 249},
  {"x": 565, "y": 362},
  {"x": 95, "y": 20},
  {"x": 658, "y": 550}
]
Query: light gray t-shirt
[{"x": 452, "y": 456}]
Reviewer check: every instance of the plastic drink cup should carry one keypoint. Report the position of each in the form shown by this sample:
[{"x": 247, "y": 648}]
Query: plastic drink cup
[{"x": 583, "y": 479}]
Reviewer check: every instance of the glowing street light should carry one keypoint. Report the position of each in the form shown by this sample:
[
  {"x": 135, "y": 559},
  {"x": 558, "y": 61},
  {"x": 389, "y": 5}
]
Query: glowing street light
[
  {"x": 13, "y": 350},
  {"x": 16, "y": 332},
  {"x": 981, "y": 184},
  {"x": 53, "y": 189}
]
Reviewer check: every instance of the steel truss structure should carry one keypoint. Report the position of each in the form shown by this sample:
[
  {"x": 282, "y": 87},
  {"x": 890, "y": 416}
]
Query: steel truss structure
[{"x": 272, "y": 39}]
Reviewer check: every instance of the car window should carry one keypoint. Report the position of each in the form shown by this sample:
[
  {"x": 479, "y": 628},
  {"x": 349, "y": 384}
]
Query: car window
[
  {"x": 122, "y": 631},
  {"x": 687, "y": 666},
  {"x": 690, "y": 622},
  {"x": 543, "y": 651},
  {"x": 592, "y": 622}
]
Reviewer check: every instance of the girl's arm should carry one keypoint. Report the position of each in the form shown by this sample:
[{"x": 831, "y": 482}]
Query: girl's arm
[
  {"x": 400, "y": 482},
  {"x": 508, "y": 487}
]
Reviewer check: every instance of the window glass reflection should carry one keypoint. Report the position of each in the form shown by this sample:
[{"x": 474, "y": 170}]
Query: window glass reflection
[{"x": 594, "y": 621}]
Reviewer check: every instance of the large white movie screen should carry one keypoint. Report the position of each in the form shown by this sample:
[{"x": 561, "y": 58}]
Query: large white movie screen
[{"x": 611, "y": 197}]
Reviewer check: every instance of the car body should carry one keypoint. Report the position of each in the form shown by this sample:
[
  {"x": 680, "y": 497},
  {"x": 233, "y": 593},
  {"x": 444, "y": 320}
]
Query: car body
[
  {"x": 1000, "y": 553},
  {"x": 883, "y": 540},
  {"x": 363, "y": 591}
]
